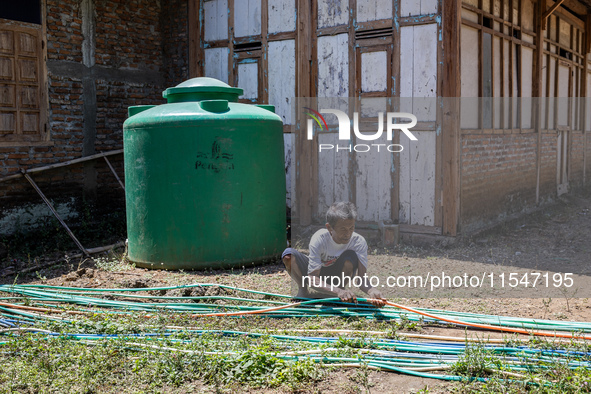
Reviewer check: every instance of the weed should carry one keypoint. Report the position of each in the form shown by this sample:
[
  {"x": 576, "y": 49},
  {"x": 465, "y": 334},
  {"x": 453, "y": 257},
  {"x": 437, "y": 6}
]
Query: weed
[
  {"x": 362, "y": 377},
  {"x": 476, "y": 361},
  {"x": 112, "y": 264}
]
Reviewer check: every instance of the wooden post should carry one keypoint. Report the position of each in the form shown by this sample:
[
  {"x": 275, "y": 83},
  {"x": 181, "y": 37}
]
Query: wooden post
[
  {"x": 451, "y": 132},
  {"x": 395, "y": 92},
  {"x": 537, "y": 88},
  {"x": 304, "y": 161},
  {"x": 584, "y": 104},
  {"x": 195, "y": 22},
  {"x": 264, "y": 61}
]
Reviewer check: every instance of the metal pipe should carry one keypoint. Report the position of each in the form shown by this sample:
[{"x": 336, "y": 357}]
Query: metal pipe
[{"x": 55, "y": 213}]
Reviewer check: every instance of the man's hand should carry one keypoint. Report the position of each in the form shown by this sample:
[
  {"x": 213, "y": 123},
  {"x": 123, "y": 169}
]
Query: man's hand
[
  {"x": 377, "y": 296},
  {"x": 346, "y": 296}
]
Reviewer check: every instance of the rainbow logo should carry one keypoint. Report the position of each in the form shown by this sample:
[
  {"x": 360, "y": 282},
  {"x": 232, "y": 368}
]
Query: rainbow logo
[{"x": 315, "y": 115}]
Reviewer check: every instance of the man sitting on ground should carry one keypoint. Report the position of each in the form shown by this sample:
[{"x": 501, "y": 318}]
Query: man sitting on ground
[{"x": 337, "y": 256}]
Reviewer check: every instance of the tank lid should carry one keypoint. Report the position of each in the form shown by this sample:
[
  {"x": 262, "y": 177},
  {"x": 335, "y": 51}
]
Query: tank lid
[{"x": 202, "y": 88}]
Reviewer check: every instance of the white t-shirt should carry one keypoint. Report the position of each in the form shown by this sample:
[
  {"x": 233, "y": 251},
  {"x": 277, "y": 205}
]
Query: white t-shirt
[{"x": 324, "y": 251}]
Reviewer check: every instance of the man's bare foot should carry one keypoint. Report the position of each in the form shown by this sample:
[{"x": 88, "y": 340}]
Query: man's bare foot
[{"x": 302, "y": 293}]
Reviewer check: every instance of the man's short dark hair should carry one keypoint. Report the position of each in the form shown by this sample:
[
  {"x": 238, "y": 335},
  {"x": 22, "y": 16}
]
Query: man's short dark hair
[{"x": 342, "y": 210}]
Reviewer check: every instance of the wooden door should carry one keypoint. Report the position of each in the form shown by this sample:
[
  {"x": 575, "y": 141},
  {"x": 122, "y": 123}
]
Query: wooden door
[{"x": 22, "y": 91}]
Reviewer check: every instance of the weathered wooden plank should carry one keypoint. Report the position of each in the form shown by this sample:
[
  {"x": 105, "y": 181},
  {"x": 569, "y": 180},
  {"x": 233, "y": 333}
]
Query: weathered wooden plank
[
  {"x": 215, "y": 20},
  {"x": 407, "y": 228},
  {"x": 288, "y": 35},
  {"x": 333, "y": 13},
  {"x": 216, "y": 63},
  {"x": 374, "y": 73},
  {"x": 282, "y": 77},
  {"x": 527, "y": 60},
  {"x": 371, "y": 10},
  {"x": 429, "y": 7},
  {"x": 333, "y": 174},
  {"x": 469, "y": 16},
  {"x": 422, "y": 173},
  {"x": 282, "y": 16},
  {"x": 418, "y": 7},
  {"x": 247, "y": 18},
  {"x": 506, "y": 83},
  {"x": 425, "y": 72},
  {"x": 563, "y": 94},
  {"x": 497, "y": 79},
  {"x": 372, "y": 192},
  {"x": 406, "y": 67},
  {"x": 405, "y": 181},
  {"x": 333, "y": 67},
  {"x": 552, "y": 81},
  {"x": 248, "y": 79},
  {"x": 410, "y": 8},
  {"x": 470, "y": 77}
]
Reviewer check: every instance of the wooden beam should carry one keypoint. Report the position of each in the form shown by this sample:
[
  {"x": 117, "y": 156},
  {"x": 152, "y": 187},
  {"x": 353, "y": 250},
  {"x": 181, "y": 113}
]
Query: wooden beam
[
  {"x": 63, "y": 164},
  {"x": 195, "y": 22},
  {"x": 451, "y": 118},
  {"x": 587, "y": 47},
  {"x": 549, "y": 12}
]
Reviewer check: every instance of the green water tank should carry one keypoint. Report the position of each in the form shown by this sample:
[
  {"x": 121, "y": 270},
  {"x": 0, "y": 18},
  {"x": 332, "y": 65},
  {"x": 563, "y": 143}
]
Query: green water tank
[{"x": 205, "y": 180}]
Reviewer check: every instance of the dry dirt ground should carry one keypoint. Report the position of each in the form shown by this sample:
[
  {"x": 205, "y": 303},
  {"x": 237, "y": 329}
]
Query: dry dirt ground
[{"x": 556, "y": 239}]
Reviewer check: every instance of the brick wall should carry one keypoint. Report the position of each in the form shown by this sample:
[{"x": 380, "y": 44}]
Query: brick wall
[
  {"x": 548, "y": 167},
  {"x": 102, "y": 57},
  {"x": 174, "y": 22},
  {"x": 498, "y": 177}
]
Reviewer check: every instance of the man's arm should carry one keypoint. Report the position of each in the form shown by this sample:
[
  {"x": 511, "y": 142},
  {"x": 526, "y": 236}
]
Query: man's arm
[{"x": 318, "y": 283}]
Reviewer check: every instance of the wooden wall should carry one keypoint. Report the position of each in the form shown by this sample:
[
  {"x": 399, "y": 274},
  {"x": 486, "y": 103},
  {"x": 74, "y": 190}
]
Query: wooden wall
[
  {"x": 516, "y": 155},
  {"x": 505, "y": 155}
]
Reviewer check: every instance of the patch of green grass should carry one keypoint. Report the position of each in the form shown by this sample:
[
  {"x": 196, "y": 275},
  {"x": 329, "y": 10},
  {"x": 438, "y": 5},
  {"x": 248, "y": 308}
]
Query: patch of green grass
[{"x": 183, "y": 360}]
